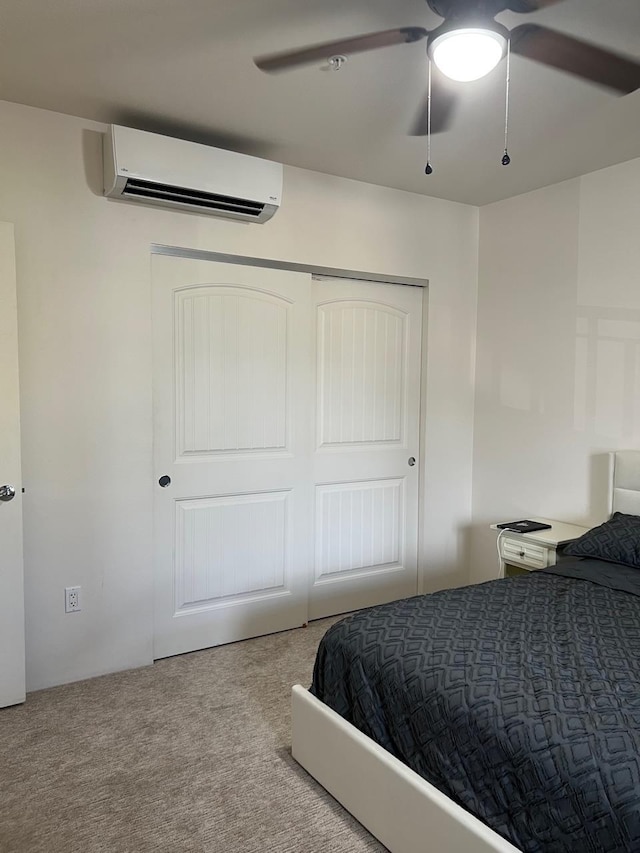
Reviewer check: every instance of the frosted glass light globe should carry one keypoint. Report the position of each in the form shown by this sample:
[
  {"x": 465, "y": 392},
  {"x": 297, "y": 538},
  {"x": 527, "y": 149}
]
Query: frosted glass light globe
[{"x": 467, "y": 54}]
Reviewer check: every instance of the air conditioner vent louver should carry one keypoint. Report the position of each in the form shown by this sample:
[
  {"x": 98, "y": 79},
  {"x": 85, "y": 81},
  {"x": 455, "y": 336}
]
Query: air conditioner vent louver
[
  {"x": 193, "y": 198},
  {"x": 145, "y": 168}
]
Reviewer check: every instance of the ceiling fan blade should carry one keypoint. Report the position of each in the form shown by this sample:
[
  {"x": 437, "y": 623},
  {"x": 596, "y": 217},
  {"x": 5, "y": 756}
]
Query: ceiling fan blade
[
  {"x": 443, "y": 107},
  {"x": 577, "y": 57},
  {"x": 357, "y": 44},
  {"x": 530, "y": 5}
]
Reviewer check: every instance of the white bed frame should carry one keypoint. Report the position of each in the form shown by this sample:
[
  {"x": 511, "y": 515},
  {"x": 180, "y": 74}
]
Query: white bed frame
[{"x": 399, "y": 807}]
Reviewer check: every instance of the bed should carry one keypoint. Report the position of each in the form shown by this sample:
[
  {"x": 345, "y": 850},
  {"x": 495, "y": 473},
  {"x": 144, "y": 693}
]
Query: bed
[{"x": 499, "y": 717}]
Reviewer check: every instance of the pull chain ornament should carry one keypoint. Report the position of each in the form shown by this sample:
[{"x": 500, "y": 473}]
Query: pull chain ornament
[
  {"x": 505, "y": 157},
  {"x": 429, "y": 168}
]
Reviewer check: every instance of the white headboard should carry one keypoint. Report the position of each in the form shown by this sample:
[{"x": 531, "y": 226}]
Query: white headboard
[{"x": 624, "y": 482}]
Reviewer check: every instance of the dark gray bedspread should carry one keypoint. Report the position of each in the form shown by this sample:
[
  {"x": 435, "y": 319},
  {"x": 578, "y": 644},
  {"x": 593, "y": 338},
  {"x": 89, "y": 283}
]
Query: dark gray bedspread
[{"x": 518, "y": 698}]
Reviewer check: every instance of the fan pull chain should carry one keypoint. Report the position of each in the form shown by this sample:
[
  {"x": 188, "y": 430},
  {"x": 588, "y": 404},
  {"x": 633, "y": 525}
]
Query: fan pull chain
[
  {"x": 429, "y": 168},
  {"x": 505, "y": 157}
]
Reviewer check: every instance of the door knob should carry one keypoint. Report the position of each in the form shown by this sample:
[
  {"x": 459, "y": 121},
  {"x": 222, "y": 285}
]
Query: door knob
[
  {"x": 164, "y": 481},
  {"x": 7, "y": 493},
  {"x": 412, "y": 461}
]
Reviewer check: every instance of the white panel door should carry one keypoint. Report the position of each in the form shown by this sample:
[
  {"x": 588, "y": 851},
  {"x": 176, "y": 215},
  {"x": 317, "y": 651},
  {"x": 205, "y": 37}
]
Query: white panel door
[
  {"x": 12, "y": 654},
  {"x": 368, "y": 352},
  {"x": 232, "y": 426}
]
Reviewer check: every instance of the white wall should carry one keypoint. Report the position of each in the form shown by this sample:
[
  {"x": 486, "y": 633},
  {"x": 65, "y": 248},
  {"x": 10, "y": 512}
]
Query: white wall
[
  {"x": 558, "y": 363},
  {"x": 85, "y": 359}
]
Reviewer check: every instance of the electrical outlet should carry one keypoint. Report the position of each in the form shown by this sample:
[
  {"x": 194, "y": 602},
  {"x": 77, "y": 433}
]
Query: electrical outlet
[{"x": 71, "y": 599}]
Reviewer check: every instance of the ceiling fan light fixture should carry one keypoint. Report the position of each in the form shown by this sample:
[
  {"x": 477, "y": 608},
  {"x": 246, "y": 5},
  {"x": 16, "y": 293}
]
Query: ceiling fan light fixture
[{"x": 467, "y": 54}]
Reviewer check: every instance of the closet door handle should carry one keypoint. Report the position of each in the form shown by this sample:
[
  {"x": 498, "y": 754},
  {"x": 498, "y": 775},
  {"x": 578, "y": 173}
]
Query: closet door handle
[
  {"x": 412, "y": 461},
  {"x": 7, "y": 493}
]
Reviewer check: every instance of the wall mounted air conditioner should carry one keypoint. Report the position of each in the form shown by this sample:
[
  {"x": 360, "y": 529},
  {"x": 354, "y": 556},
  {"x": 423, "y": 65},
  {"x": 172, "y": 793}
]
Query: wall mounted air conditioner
[{"x": 159, "y": 170}]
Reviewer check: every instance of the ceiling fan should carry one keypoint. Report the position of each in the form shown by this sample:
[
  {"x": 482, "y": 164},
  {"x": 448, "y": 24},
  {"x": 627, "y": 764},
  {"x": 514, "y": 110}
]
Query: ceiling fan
[{"x": 468, "y": 44}]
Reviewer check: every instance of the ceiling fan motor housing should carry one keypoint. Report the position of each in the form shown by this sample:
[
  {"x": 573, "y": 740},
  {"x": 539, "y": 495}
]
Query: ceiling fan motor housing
[
  {"x": 470, "y": 22},
  {"x": 480, "y": 9},
  {"x": 467, "y": 16}
]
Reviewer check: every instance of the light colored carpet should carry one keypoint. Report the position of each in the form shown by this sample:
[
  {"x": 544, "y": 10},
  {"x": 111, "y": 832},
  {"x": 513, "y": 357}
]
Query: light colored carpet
[{"x": 191, "y": 754}]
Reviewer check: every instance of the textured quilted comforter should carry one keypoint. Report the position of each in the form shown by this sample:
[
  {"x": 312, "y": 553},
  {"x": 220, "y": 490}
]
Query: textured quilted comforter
[{"x": 517, "y": 698}]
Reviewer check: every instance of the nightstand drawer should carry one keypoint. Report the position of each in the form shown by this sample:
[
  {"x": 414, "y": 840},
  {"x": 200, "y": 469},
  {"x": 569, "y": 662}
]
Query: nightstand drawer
[{"x": 519, "y": 552}]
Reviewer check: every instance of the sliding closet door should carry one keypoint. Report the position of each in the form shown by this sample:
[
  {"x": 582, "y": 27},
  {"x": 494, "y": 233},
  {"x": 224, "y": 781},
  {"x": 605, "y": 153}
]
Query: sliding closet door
[
  {"x": 233, "y": 357},
  {"x": 286, "y": 430},
  {"x": 368, "y": 343}
]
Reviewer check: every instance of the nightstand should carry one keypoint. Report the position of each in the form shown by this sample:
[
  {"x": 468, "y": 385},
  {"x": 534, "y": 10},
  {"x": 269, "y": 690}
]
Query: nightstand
[{"x": 525, "y": 552}]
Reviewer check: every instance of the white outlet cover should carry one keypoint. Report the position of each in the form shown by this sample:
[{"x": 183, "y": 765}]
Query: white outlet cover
[{"x": 72, "y": 602}]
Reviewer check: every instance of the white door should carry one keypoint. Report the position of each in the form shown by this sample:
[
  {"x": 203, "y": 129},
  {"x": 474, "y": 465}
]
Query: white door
[
  {"x": 12, "y": 677},
  {"x": 232, "y": 428},
  {"x": 368, "y": 342}
]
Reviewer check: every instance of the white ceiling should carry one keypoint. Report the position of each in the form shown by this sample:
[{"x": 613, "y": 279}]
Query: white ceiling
[{"x": 184, "y": 68}]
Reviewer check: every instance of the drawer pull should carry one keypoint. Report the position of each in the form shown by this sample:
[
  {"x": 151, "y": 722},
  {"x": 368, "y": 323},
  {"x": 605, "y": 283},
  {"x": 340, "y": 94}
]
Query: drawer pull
[{"x": 522, "y": 553}]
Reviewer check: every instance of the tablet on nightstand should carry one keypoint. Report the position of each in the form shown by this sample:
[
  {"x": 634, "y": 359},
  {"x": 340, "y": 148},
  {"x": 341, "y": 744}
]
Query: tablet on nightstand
[{"x": 524, "y": 526}]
